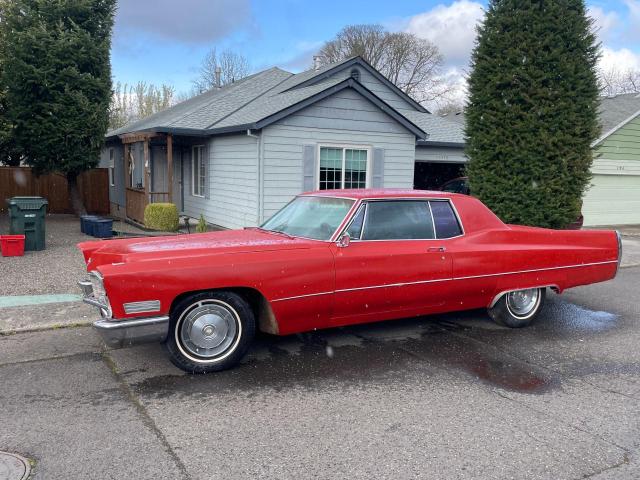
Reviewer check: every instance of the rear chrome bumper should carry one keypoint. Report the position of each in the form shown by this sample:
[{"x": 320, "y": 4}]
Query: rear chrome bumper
[
  {"x": 121, "y": 333},
  {"x": 619, "y": 250}
]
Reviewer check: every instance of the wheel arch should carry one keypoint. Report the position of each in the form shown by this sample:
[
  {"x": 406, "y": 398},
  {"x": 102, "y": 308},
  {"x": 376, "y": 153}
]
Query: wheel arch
[
  {"x": 500, "y": 294},
  {"x": 265, "y": 318}
]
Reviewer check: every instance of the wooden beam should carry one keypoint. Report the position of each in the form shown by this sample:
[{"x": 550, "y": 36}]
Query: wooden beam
[
  {"x": 137, "y": 137},
  {"x": 146, "y": 168},
  {"x": 170, "y": 166}
]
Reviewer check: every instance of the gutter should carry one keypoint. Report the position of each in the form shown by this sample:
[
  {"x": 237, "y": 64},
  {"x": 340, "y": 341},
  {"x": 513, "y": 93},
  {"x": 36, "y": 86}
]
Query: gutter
[{"x": 428, "y": 143}]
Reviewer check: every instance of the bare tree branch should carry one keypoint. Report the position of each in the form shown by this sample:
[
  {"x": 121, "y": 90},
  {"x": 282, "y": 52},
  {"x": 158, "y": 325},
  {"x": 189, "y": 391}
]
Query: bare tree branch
[
  {"x": 232, "y": 66},
  {"x": 411, "y": 63},
  {"x": 130, "y": 103},
  {"x": 615, "y": 82}
]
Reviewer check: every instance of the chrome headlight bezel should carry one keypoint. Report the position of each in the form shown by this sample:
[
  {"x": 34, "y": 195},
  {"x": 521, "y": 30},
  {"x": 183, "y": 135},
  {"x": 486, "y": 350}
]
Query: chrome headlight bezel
[
  {"x": 100, "y": 294},
  {"x": 97, "y": 283}
]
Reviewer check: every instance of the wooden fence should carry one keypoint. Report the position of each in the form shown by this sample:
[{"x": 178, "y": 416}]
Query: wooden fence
[{"x": 20, "y": 181}]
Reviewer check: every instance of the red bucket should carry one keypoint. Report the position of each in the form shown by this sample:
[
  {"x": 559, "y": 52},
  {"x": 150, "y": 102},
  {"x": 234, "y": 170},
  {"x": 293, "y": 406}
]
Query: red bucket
[{"x": 12, "y": 245}]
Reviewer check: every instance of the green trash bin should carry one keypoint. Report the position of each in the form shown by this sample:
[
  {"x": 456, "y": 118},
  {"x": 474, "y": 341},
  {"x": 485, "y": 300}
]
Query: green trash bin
[{"x": 26, "y": 217}]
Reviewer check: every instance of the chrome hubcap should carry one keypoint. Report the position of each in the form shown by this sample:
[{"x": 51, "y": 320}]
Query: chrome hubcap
[
  {"x": 523, "y": 302},
  {"x": 208, "y": 329}
]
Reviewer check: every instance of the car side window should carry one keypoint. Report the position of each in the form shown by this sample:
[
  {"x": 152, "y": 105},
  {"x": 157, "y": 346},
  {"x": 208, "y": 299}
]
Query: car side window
[
  {"x": 398, "y": 220},
  {"x": 445, "y": 219},
  {"x": 355, "y": 227}
]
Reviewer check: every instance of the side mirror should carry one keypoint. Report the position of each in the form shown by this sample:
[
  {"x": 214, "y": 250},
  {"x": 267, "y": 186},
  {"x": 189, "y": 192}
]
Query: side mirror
[{"x": 344, "y": 240}]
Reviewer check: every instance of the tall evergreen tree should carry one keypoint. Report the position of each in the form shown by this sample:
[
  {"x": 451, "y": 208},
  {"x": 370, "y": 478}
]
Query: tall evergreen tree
[
  {"x": 57, "y": 77},
  {"x": 532, "y": 112}
]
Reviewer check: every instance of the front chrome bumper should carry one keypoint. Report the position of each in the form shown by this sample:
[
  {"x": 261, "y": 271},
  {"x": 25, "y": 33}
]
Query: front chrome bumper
[{"x": 121, "y": 333}]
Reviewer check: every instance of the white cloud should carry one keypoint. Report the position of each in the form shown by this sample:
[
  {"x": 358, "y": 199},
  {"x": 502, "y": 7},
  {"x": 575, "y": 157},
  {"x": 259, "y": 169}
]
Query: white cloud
[
  {"x": 176, "y": 21},
  {"x": 451, "y": 27},
  {"x": 605, "y": 23},
  {"x": 633, "y": 19},
  {"x": 620, "y": 60}
]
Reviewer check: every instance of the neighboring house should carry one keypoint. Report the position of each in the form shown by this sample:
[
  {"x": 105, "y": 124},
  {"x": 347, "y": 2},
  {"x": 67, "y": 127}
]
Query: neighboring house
[
  {"x": 238, "y": 153},
  {"x": 614, "y": 196}
]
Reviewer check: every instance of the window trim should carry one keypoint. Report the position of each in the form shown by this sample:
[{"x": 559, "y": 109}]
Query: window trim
[
  {"x": 193, "y": 171},
  {"x": 363, "y": 206},
  {"x": 345, "y": 147},
  {"x": 112, "y": 167},
  {"x": 365, "y": 201}
]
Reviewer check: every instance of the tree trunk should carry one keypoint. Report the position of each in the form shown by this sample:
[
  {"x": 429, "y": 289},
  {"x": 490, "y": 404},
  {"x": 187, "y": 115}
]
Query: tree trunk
[{"x": 74, "y": 195}]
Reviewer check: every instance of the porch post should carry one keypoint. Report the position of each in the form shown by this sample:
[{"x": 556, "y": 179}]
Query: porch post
[
  {"x": 127, "y": 166},
  {"x": 170, "y": 166},
  {"x": 145, "y": 170}
]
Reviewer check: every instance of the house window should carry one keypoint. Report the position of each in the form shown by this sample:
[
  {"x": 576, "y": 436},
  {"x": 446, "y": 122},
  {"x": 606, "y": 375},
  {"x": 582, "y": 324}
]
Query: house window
[
  {"x": 343, "y": 167},
  {"x": 112, "y": 167},
  {"x": 198, "y": 173}
]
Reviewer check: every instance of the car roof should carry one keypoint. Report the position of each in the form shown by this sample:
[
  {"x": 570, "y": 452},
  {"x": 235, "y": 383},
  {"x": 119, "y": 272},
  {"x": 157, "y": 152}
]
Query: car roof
[{"x": 368, "y": 193}]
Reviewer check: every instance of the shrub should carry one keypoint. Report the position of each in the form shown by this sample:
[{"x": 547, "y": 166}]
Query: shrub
[
  {"x": 161, "y": 216},
  {"x": 202, "y": 225}
]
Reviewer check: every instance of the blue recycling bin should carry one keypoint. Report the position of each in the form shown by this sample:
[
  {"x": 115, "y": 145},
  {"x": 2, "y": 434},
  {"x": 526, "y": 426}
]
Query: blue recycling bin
[
  {"x": 85, "y": 224},
  {"x": 102, "y": 227}
]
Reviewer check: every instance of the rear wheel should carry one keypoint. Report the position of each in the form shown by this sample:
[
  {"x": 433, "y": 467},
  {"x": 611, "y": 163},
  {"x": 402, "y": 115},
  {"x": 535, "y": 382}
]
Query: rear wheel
[
  {"x": 210, "y": 331},
  {"x": 519, "y": 308}
]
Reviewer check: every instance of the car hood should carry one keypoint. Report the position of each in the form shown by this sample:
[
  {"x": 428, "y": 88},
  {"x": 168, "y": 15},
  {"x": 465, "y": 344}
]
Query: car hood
[{"x": 98, "y": 253}]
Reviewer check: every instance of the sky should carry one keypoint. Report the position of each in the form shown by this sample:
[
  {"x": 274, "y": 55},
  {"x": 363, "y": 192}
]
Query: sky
[{"x": 164, "y": 41}]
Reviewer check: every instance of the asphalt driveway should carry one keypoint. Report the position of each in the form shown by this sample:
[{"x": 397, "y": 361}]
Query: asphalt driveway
[{"x": 452, "y": 396}]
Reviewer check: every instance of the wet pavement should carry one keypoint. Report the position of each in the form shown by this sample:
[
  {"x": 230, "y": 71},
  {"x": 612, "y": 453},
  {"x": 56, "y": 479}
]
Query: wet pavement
[{"x": 450, "y": 396}]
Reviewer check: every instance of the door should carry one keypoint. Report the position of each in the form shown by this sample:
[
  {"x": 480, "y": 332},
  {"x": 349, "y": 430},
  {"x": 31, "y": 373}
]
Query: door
[{"x": 393, "y": 263}]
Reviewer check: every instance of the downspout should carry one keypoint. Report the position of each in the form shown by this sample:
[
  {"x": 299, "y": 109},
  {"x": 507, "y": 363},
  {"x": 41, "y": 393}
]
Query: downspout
[{"x": 260, "y": 172}]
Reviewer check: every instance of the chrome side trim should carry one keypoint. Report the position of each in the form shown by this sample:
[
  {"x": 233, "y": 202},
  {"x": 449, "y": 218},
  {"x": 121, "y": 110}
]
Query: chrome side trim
[
  {"x": 119, "y": 333},
  {"x": 142, "y": 307},
  {"x": 447, "y": 280},
  {"x": 303, "y": 296},
  {"x": 536, "y": 270}
]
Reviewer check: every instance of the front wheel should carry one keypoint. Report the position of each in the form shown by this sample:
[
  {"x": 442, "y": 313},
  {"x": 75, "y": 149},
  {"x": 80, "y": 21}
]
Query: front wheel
[
  {"x": 519, "y": 308},
  {"x": 210, "y": 331}
]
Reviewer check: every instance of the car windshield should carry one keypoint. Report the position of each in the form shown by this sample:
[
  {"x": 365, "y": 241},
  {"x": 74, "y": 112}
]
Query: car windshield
[{"x": 310, "y": 217}]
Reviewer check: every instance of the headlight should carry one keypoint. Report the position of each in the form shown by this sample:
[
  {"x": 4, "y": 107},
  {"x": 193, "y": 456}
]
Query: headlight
[
  {"x": 98, "y": 285},
  {"x": 100, "y": 294}
]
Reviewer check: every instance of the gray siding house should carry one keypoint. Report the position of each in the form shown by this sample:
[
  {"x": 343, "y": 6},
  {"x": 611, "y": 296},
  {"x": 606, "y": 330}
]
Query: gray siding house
[{"x": 238, "y": 153}]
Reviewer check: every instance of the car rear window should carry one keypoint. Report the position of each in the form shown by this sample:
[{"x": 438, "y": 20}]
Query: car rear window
[{"x": 445, "y": 220}]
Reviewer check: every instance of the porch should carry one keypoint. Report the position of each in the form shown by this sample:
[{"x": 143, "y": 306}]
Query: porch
[{"x": 154, "y": 166}]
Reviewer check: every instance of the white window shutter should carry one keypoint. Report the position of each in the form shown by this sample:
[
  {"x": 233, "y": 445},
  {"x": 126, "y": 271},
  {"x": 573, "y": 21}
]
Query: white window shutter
[
  {"x": 309, "y": 168},
  {"x": 377, "y": 168}
]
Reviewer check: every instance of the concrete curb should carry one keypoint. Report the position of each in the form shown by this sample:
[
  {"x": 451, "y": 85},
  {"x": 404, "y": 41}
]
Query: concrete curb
[
  {"x": 630, "y": 265},
  {"x": 44, "y": 328}
]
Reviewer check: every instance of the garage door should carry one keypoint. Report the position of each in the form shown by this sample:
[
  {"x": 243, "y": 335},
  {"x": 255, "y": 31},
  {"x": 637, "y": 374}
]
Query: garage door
[{"x": 612, "y": 200}]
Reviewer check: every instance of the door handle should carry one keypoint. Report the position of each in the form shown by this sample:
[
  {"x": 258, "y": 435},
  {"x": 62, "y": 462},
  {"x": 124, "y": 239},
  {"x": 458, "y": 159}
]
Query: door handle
[{"x": 436, "y": 249}]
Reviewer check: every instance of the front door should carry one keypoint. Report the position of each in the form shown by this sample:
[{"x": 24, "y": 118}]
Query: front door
[{"x": 392, "y": 264}]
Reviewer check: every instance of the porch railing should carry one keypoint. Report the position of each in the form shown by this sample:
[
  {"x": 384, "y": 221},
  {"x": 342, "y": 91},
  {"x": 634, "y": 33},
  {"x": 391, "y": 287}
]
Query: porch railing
[{"x": 136, "y": 202}]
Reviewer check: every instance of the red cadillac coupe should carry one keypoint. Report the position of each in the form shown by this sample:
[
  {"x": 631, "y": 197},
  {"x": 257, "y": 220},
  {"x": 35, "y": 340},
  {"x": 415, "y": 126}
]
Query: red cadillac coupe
[{"x": 328, "y": 259}]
